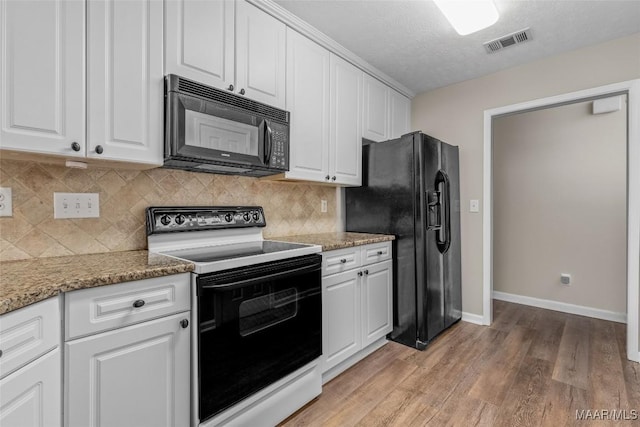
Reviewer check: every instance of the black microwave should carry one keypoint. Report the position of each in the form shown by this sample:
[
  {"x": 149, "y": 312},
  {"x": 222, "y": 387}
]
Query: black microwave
[{"x": 211, "y": 130}]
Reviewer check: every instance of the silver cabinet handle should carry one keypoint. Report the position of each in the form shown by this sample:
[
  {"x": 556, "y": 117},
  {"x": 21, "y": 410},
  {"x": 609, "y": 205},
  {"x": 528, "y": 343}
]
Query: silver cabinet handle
[
  {"x": 327, "y": 177},
  {"x": 333, "y": 178},
  {"x": 360, "y": 273},
  {"x": 75, "y": 146},
  {"x": 138, "y": 303},
  {"x": 184, "y": 323},
  {"x": 343, "y": 261},
  {"x": 99, "y": 149},
  {"x": 379, "y": 252},
  {"x": 366, "y": 272},
  {"x": 241, "y": 91},
  {"x": 230, "y": 87}
]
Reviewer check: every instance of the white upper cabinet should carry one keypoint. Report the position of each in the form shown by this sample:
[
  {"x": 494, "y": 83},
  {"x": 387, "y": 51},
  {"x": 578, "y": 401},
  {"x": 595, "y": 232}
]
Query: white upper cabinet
[
  {"x": 200, "y": 42},
  {"x": 229, "y": 45},
  {"x": 42, "y": 76},
  {"x": 126, "y": 83},
  {"x": 260, "y": 55},
  {"x": 400, "y": 114},
  {"x": 375, "y": 109},
  {"x": 308, "y": 98},
  {"x": 386, "y": 113},
  {"x": 345, "y": 137}
]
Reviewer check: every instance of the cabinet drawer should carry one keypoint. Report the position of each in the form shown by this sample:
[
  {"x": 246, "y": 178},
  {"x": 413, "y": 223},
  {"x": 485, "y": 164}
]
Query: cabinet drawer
[
  {"x": 28, "y": 333},
  {"x": 376, "y": 252},
  {"x": 89, "y": 311},
  {"x": 340, "y": 260}
]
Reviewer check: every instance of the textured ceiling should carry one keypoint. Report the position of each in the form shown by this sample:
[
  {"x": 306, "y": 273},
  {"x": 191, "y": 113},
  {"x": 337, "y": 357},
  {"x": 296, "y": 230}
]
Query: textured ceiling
[{"x": 412, "y": 42}]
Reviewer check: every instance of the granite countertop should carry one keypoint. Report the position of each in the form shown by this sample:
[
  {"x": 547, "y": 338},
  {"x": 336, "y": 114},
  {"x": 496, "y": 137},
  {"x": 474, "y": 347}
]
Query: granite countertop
[
  {"x": 340, "y": 240},
  {"x": 29, "y": 281}
]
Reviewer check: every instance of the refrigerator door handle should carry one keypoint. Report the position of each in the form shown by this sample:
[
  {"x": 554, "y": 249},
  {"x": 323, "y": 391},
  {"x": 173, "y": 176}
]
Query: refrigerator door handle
[
  {"x": 434, "y": 210},
  {"x": 443, "y": 236}
]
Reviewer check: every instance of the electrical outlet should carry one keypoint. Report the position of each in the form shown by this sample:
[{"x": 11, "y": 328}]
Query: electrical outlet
[
  {"x": 323, "y": 205},
  {"x": 474, "y": 206},
  {"x": 565, "y": 279},
  {"x": 76, "y": 205},
  {"x": 6, "y": 202}
]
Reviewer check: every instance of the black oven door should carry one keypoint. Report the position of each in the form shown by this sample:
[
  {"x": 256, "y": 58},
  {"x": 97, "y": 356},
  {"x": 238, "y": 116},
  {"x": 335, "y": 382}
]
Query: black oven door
[{"x": 257, "y": 324}]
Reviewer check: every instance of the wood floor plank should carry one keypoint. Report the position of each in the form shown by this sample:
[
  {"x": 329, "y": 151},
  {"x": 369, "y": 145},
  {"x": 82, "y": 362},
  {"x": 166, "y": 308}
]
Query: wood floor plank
[
  {"x": 561, "y": 403},
  {"x": 607, "y": 386},
  {"x": 500, "y": 372},
  {"x": 525, "y": 402},
  {"x": 401, "y": 408},
  {"x": 548, "y": 334},
  {"x": 365, "y": 398},
  {"x": 536, "y": 367},
  {"x": 631, "y": 370},
  {"x": 572, "y": 362}
]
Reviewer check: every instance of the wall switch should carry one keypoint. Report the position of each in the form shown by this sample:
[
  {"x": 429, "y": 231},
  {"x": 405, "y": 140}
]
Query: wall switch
[
  {"x": 474, "y": 206},
  {"x": 323, "y": 205},
  {"x": 6, "y": 202},
  {"x": 565, "y": 279},
  {"x": 76, "y": 205}
]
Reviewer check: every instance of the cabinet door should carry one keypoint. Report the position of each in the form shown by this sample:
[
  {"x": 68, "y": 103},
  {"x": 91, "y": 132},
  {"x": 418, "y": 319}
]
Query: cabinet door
[
  {"x": 308, "y": 99},
  {"x": 135, "y": 376},
  {"x": 341, "y": 334},
  {"x": 376, "y": 110},
  {"x": 345, "y": 138},
  {"x": 31, "y": 396},
  {"x": 400, "y": 114},
  {"x": 42, "y": 76},
  {"x": 377, "y": 320},
  {"x": 199, "y": 42},
  {"x": 260, "y": 55},
  {"x": 126, "y": 84}
]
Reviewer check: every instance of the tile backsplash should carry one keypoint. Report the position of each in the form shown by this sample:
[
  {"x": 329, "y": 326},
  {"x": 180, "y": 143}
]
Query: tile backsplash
[{"x": 290, "y": 208}]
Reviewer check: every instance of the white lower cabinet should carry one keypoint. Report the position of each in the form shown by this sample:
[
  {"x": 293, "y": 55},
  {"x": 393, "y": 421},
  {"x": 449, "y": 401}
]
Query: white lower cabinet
[
  {"x": 357, "y": 301},
  {"x": 30, "y": 397},
  {"x": 133, "y": 369},
  {"x": 135, "y": 376},
  {"x": 30, "y": 367}
]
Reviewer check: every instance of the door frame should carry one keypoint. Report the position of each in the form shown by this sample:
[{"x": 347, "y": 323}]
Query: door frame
[{"x": 632, "y": 89}]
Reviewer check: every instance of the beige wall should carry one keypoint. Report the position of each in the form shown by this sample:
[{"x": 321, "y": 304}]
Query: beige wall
[
  {"x": 124, "y": 195},
  {"x": 559, "y": 205},
  {"x": 455, "y": 115}
]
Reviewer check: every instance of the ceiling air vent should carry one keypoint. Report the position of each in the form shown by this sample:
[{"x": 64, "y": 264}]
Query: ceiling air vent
[{"x": 508, "y": 40}]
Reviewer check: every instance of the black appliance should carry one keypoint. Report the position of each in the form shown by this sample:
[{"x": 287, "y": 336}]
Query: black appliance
[
  {"x": 411, "y": 189},
  {"x": 211, "y": 130},
  {"x": 257, "y": 305}
]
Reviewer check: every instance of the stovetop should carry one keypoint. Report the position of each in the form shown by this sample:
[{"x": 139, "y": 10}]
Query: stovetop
[{"x": 217, "y": 238}]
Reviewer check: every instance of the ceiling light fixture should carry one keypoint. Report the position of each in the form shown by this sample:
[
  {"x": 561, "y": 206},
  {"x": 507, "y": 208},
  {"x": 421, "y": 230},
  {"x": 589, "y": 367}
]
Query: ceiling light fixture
[{"x": 468, "y": 16}]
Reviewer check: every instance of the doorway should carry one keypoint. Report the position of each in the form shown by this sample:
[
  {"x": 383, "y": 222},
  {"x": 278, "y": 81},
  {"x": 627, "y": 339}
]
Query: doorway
[{"x": 632, "y": 90}]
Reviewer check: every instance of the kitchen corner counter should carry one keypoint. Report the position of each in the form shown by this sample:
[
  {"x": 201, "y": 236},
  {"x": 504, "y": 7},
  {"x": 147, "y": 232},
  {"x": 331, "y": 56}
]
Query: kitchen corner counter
[
  {"x": 340, "y": 240},
  {"x": 29, "y": 281}
]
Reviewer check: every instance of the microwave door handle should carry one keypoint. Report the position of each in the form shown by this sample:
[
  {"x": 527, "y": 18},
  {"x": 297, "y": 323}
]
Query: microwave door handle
[{"x": 268, "y": 137}]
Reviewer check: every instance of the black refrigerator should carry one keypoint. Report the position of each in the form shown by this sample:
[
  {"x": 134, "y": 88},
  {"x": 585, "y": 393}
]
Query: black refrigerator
[{"x": 411, "y": 188}]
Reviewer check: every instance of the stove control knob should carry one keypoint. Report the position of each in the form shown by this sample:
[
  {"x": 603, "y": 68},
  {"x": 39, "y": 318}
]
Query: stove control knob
[
  {"x": 228, "y": 217},
  {"x": 165, "y": 220},
  {"x": 246, "y": 217},
  {"x": 180, "y": 219},
  {"x": 256, "y": 216}
]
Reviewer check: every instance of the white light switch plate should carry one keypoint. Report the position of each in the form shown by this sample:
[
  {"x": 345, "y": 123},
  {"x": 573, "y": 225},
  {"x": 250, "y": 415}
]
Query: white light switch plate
[
  {"x": 474, "y": 206},
  {"x": 323, "y": 205},
  {"x": 6, "y": 202},
  {"x": 76, "y": 205}
]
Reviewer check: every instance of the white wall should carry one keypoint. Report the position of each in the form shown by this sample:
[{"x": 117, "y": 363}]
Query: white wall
[
  {"x": 455, "y": 115},
  {"x": 559, "y": 205}
]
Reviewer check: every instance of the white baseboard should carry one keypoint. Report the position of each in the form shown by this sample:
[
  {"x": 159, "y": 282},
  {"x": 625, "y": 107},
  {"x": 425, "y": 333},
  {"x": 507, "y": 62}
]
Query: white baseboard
[
  {"x": 472, "y": 318},
  {"x": 561, "y": 306}
]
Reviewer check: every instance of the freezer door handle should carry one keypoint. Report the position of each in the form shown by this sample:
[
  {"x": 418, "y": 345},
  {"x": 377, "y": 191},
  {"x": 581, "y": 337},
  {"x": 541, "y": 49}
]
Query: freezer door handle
[
  {"x": 434, "y": 211},
  {"x": 443, "y": 235}
]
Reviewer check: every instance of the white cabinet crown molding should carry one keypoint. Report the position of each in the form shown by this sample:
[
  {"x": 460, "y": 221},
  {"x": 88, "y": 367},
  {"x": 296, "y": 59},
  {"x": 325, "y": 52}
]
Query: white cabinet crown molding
[{"x": 325, "y": 41}]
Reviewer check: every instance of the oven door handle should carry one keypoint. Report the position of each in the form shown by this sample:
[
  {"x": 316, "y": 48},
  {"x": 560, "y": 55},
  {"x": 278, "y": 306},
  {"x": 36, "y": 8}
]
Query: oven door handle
[{"x": 255, "y": 280}]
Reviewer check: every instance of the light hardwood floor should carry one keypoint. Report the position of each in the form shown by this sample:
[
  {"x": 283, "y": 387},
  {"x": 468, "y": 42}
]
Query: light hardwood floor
[{"x": 532, "y": 367}]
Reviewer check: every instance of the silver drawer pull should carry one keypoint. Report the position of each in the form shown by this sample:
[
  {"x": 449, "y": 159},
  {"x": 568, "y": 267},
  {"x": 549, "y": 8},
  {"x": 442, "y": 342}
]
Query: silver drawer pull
[
  {"x": 379, "y": 252},
  {"x": 343, "y": 261},
  {"x": 138, "y": 303}
]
